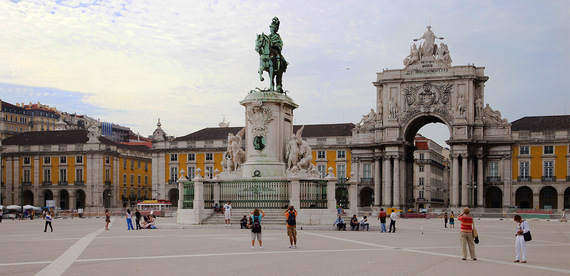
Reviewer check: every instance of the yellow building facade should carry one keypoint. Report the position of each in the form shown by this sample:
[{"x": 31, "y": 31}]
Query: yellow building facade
[
  {"x": 541, "y": 162},
  {"x": 74, "y": 170}
]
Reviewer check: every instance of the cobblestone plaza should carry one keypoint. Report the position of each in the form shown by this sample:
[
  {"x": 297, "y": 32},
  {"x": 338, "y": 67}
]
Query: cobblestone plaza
[{"x": 82, "y": 247}]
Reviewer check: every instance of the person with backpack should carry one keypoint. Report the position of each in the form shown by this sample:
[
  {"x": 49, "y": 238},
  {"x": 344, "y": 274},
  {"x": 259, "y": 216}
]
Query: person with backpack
[
  {"x": 256, "y": 227},
  {"x": 291, "y": 215},
  {"x": 382, "y": 217}
]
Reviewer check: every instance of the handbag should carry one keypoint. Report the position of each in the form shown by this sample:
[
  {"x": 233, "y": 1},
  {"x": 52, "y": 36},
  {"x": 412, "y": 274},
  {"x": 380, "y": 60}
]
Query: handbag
[
  {"x": 476, "y": 236},
  {"x": 527, "y": 236}
]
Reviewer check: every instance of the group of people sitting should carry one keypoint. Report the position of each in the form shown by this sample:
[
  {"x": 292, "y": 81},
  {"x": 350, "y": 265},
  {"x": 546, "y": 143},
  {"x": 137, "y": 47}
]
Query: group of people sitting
[
  {"x": 355, "y": 224},
  {"x": 149, "y": 222}
]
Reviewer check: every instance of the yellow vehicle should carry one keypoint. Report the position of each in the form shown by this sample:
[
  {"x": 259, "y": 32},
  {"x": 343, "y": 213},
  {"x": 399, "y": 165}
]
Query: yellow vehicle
[{"x": 390, "y": 210}]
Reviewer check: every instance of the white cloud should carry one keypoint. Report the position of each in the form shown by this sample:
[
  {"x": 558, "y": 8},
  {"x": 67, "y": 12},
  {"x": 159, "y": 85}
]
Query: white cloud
[{"x": 188, "y": 62}]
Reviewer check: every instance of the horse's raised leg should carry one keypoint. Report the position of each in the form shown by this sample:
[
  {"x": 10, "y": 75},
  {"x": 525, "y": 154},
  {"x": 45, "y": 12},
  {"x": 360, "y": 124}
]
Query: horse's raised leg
[{"x": 260, "y": 71}]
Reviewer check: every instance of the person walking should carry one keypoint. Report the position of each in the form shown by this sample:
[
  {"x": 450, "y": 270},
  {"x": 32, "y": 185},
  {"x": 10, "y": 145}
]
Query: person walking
[
  {"x": 256, "y": 227},
  {"x": 291, "y": 215},
  {"x": 466, "y": 234},
  {"x": 129, "y": 220},
  {"x": 520, "y": 243},
  {"x": 393, "y": 217},
  {"x": 227, "y": 213},
  {"x": 382, "y": 217},
  {"x": 48, "y": 219},
  {"x": 563, "y": 219},
  {"x": 138, "y": 218},
  {"x": 107, "y": 219},
  {"x": 1, "y": 214},
  {"x": 452, "y": 220},
  {"x": 445, "y": 219}
]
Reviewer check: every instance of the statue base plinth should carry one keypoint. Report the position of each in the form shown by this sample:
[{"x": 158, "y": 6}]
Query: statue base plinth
[
  {"x": 269, "y": 123},
  {"x": 263, "y": 169}
]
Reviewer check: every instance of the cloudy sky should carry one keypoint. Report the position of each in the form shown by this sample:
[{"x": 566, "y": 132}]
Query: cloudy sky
[{"x": 189, "y": 63}]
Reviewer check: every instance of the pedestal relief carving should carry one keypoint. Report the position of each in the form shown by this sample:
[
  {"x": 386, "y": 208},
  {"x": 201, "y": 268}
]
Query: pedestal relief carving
[{"x": 259, "y": 116}]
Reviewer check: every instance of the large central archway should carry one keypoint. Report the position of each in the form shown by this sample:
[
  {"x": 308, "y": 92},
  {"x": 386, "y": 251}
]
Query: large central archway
[
  {"x": 425, "y": 164},
  {"x": 430, "y": 90}
]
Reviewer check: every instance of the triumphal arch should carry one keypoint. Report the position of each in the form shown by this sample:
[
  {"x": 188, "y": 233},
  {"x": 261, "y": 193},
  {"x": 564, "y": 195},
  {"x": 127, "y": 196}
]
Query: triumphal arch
[{"x": 429, "y": 89}]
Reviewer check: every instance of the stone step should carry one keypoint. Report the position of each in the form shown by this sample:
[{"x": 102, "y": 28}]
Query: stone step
[{"x": 272, "y": 216}]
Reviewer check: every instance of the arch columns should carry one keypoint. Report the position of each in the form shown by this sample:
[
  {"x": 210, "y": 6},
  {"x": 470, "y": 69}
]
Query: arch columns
[
  {"x": 377, "y": 182},
  {"x": 455, "y": 180},
  {"x": 387, "y": 183},
  {"x": 464, "y": 179},
  {"x": 507, "y": 191},
  {"x": 396, "y": 195},
  {"x": 480, "y": 202}
]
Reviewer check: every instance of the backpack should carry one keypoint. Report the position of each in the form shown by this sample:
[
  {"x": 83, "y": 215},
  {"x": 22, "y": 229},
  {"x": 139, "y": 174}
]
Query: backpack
[
  {"x": 256, "y": 227},
  {"x": 291, "y": 219}
]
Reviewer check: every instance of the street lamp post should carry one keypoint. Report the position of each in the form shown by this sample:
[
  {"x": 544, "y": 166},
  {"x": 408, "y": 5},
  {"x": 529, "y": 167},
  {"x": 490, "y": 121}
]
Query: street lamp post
[{"x": 22, "y": 197}]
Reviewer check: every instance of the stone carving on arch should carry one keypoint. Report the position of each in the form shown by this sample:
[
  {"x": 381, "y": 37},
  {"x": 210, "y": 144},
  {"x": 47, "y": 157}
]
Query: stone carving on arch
[
  {"x": 493, "y": 117},
  {"x": 427, "y": 98}
]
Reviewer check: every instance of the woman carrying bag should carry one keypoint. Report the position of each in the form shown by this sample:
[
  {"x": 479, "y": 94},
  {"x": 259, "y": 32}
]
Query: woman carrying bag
[
  {"x": 466, "y": 234},
  {"x": 520, "y": 241}
]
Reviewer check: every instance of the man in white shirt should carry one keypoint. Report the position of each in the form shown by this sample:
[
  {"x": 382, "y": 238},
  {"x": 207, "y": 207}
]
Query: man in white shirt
[
  {"x": 393, "y": 217},
  {"x": 364, "y": 223},
  {"x": 227, "y": 213}
]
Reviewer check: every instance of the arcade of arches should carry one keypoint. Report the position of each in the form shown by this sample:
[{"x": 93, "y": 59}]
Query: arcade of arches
[{"x": 64, "y": 199}]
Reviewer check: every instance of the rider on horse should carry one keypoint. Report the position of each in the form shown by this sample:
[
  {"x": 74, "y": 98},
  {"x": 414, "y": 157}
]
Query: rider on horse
[{"x": 277, "y": 45}]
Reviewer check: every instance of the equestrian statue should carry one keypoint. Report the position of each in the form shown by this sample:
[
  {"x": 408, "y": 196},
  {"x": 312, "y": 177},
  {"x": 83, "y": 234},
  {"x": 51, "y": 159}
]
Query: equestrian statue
[{"x": 270, "y": 59}]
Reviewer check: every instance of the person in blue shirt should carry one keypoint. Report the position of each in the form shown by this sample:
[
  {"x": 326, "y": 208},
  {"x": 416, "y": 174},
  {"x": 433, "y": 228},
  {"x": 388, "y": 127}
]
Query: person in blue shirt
[{"x": 339, "y": 222}]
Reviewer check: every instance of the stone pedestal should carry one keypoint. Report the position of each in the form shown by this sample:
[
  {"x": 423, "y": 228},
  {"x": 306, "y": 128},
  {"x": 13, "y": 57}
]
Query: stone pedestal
[{"x": 269, "y": 123}]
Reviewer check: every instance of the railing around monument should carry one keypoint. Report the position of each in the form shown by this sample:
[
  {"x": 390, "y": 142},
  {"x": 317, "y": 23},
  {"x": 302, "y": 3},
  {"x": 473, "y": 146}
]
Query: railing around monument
[
  {"x": 313, "y": 194},
  {"x": 255, "y": 194},
  {"x": 188, "y": 200},
  {"x": 209, "y": 195}
]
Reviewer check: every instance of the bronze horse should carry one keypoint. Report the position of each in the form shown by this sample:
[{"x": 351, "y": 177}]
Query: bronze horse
[{"x": 270, "y": 63}]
